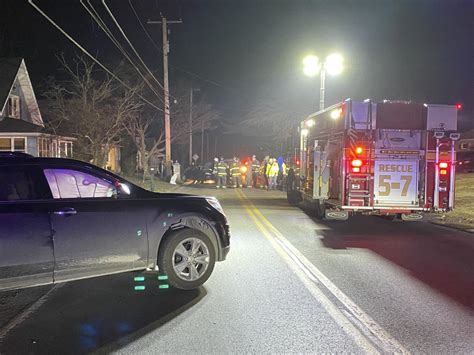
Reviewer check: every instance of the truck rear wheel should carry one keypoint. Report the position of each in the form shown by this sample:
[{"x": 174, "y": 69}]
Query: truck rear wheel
[
  {"x": 319, "y": 209},
  {"x": 293, "y": 197}
]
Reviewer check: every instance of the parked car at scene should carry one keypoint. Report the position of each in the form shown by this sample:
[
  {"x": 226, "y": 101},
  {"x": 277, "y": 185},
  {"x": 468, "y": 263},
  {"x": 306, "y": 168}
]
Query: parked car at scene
[{"x": 63, "y": 220}]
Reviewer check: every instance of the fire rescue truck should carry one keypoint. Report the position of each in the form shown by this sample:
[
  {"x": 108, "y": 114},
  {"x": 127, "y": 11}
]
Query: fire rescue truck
[{"x": 387, "y": 158}]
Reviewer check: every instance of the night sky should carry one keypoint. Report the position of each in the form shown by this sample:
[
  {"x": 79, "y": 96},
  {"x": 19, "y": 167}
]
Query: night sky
[{"x": 242, "y": 53}]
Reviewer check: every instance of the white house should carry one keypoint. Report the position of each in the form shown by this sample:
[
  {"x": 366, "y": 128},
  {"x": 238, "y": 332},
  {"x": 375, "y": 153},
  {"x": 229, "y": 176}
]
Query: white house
[{"x": 21, "y": 125}]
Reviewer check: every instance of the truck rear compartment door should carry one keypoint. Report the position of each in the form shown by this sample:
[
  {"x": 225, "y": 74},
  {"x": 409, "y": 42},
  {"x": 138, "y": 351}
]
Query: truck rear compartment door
[{"x": 396, "y": 183}]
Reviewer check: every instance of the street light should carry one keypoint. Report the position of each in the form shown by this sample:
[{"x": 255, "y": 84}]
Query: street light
[{"x": 312, "y": 66}]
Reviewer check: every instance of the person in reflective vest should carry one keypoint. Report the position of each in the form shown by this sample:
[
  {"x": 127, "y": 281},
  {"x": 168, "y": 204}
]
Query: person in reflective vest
[
  {"x": 282, "y": 173},
  {"x": 235, "y": 173},
  {"x": 272, "y": 173},
  {"x": 255, "y": 170},
  {"x": 221, "y": 171},
  {"x": 263, "y": 172}
]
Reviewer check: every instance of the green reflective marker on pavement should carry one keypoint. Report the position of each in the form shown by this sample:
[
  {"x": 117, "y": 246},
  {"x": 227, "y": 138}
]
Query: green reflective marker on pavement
[
  {"x": 162, "y": 277},
  {"x": 140, "y": 288},
  {"x": 139, "y": 278},
  {"x": 164, "y": 286}
]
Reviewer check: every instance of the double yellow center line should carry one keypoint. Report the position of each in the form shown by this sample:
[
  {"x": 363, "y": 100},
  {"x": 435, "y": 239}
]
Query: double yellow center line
[{"x": 366, "y": 333}]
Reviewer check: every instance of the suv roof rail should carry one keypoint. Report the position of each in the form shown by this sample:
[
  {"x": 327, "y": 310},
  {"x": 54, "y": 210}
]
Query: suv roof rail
[{"x": 15, "y": 155}]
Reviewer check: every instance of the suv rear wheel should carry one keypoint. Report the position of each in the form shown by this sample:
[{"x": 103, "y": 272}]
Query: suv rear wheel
[{"x": 187, "y": 257}]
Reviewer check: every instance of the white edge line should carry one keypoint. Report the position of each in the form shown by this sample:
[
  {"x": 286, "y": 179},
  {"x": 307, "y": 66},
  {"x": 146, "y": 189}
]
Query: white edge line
[{"x": 22, "y": 316}]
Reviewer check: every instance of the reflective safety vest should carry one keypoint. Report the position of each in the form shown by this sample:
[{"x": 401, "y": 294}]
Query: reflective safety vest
[
  {"x": 273, "y": 169},
  {"x": 222, "y": 168},
  {"x": 284, "y": 169},
  {"x": 235, "y": 169}
]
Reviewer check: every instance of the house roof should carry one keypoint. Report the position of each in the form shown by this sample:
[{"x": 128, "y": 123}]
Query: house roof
[
  {"x": 8, "y": 70},
  {"x": 12, "y": 69},
  {"x": 9, "y": 124}
]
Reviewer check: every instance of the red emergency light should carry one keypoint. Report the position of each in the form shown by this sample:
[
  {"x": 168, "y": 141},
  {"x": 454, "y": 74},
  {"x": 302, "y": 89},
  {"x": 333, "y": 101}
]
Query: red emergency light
[
  {"x": 458, "y": 106},
  {"x": 297, "y": 162},
  {"x": 359, "y": 150}
]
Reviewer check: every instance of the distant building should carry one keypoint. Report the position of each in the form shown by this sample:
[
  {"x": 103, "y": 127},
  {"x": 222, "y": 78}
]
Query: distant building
[
  {"x": 466, "y": 142},
  {"x": 21, "y": 125}
]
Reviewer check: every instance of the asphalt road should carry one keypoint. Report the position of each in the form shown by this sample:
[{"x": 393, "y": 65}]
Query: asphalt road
[{"x": 291, "y": 284}]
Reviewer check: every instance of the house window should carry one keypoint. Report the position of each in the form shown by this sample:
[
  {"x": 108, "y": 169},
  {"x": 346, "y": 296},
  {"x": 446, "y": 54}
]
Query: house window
[
  {"x": 13, "y": 144},
  {"x": 464, "y": 146},
  {"x": 13, "y": 106},
  {"x": 65, "y": 149},
  {"x": 43, "y": 147}
]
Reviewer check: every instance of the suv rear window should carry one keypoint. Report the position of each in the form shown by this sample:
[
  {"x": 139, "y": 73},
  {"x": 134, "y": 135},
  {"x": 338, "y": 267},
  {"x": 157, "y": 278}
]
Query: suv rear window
[{"x": 17, "y": 183}]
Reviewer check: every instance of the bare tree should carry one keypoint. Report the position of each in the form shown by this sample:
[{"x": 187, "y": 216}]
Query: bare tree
[
  {"x": 147, "y": 133},
  {"x": 89, "y": 105},
  {"x": 271, "y": 121}
]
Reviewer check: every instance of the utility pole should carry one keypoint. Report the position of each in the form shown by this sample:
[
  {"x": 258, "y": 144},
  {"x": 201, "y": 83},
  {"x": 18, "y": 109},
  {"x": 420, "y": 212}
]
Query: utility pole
[
  {"x": 191, "y": 125},
  {"x": 202, "y": 143},
  {"x": 166, "y": 49}
]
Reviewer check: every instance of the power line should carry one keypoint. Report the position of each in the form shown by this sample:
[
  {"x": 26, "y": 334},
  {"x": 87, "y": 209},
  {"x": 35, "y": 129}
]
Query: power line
[
  {"x": 130, "y": 44},
  {"x": 88, "y": 54},
  {"x": 191, "y": 73},
  {"x": 102, "y": 25},
  {"x": 161, "y": 51}
]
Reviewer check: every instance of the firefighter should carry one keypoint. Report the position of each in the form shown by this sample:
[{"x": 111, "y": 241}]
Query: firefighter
[
  {"x": 282, "y": 173},
  {"x": 272, "y": 173},
  {"x": 215, "y": 171},
  {"x": 263, "y": 172},
  {"x": 235, "y": 173},
  {"x": 255, "y": 170},
  {"x": 222, "y": 174}
]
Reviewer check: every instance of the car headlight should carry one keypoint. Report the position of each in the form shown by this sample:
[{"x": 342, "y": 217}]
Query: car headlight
[{"x": 216, "y": 204}]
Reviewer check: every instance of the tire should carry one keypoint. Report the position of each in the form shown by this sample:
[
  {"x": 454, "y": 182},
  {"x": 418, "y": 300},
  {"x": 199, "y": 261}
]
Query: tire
[
  {"x": 186, "y": 274},
  {"x": 293, "y": 197},
  {"x": 319, "y": 209}
]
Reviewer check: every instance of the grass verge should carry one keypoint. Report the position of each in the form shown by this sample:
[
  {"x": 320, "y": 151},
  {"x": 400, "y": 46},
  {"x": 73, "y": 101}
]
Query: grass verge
[{"x": 463, "y": 215}]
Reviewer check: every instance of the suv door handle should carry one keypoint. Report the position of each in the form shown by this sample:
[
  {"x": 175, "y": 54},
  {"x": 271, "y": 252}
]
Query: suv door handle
[{"x": 68, "y": 211}]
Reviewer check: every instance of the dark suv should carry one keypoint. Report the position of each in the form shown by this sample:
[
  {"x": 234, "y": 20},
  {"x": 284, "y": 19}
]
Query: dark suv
[{"x": 63, "y": 220}]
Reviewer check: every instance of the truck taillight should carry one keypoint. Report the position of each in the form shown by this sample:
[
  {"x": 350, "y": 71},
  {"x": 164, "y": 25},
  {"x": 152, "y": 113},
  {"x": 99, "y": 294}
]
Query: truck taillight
[
  {"x": 443, "y": 168},
  {"x": 356, "y": 164}
]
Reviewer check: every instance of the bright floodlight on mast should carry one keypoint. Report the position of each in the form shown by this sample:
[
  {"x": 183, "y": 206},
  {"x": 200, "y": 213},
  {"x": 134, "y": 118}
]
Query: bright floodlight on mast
[{"x": 312, "y": 66}]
